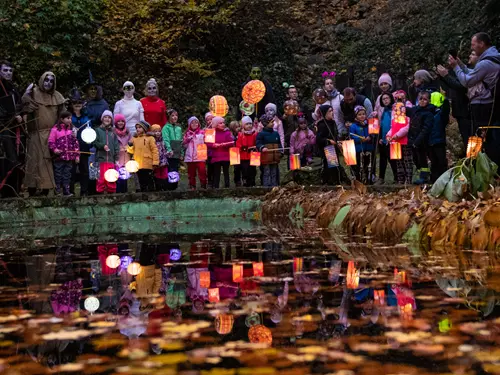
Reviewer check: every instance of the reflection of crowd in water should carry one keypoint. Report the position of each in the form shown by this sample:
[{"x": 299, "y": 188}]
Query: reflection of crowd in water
[{"x": 167, "y": 288}]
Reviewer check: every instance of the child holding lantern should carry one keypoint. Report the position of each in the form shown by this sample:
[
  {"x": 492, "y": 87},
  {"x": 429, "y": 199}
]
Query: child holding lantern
[
  {"x": 123, "y": 135},
  {"x": 246, "y": 142},
  {"x": 196, "y": 153},
  {"x": 386, "y": 102},
  {"x": 364, "y": 146},
  {"x": 160, "y": 173},
  {"x": 210, "y": 173},
  {"x": 400, "y": 125},
  {"x": 235, "y": 128},
  {"x": 107, "y": 152},
  {"x": 172, "y": 138},
  {"x": 268, "y": 142},
  {"x": 220, "y": 151},
  {"x": 302, "y": 141}
]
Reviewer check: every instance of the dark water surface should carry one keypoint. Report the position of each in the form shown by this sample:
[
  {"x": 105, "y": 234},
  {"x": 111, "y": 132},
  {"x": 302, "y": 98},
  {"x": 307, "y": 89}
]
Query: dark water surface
[{"x": 64, "y": 310}]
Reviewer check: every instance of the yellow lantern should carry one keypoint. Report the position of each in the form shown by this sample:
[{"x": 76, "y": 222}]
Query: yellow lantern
[
  {"x": 224, "y": 324},
  {"x": 291, "y": 107},
  {"x": 237, "y": 273},
  {"x": 373, "y": 126},
  {"x": 255, "y": 159},
  {"x": 218, "y": 105},
  {"x": 253, "y": 92},
  {"x": 294, "y": 162},
  {"x": 213, "y": 295},
  {"x": 474, "y": 145},
  {"x": 132, "y": 166},
  {"x": 349, "y": 151},
  {"x": 201, "y": 152},
  {"x": 406, "y": 311},
  {"x": 395, "y": 151},
  {"x": 113, "y": 261},
  {"x": 234, "y": 156},
  {"x": 260, "y": 334},
  {"x": 205, "y": 279},
  {"x": 298, "y": 264},
  {"x": 258, "y": 269},
  {"x": 209, "y": 135},
  {"x": 352, "y": 276},
  {"x": 134, "y": 268},
  {"x": 111, "y": 175}
]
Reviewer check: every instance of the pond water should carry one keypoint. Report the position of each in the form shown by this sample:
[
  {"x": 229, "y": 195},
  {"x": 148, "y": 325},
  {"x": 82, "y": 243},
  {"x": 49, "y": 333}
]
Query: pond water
[{"x": 256, "y": 303}]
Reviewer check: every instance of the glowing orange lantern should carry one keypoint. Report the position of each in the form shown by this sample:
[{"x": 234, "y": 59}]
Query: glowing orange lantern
[
  {"x": 113, "y": 261},
  {"x": 406, "y": 311},
  {"x": 255, "y": 159},
  {"x": 234, "y": 156},
  {"x": 258, "y": 269},
  {"x": 134, "y": 268},
  {"x": 395, "y": 151},
  {"x": 349, "y": 151},
  {"x": 474, "y": 145},
  {"x": 201, "y": 152},
  {"x": 260, "y": 334},
  {"x": 294, "y": 162},
  {"x": 401, "y": 277},
  {"x": 253, "y": 92},
  {"x": 373, "y": 126},
  {"x": 379, "y": 297},
  {"x": 298, "y": 264},
  {"x": 204, "y": 279},
  {"x": 213, "y": 295},
  {"x": 237, "y": 273},
  {"x": 291, "y": 107},
  {"x": 352, "y": 276},
  {"x": 209, "y": 135},
  {"x": 224, "y": 324},
  {"x": 218, "y": 105},
  {"x": 399, "y": 113}
]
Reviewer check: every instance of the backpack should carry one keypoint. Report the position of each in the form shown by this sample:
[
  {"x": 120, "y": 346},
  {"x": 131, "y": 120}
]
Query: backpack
[{"x": 495, "y": 91}]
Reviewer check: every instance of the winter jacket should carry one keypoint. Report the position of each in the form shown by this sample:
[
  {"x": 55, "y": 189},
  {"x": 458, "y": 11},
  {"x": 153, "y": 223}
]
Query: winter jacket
[
  {"x": 78, "y": 123},
  {"x": 327, "y": 130},
  {"x": 106, "y": 137},
  {"x": 162, "y": 152},
  {"x": 133, "y": 111},
  {"x": 246, "y": 142},
  {"x": 190, "y": 142},
  {"x": 64, "y": 140},
  {"x": 361, "y": 130},
  {"x": 485, "y": 71},
  {"x": 437, "y": 134},
  {"x": 421, "y": 123},
  {"x": 300, "y": 139},
  {"x": 270, "y": 139},
  {"x": 278, "y": 127},
  {"x": 385, "y": 123},
  {"x": 172, "y": 138},
  {"x": 221, "y": 153},
  {"x": 338, "y": 116},
  {"x": 458, "y": 95},
  {"x": 144, "y": 151},
  {"x": 155, "y": 110},
  {"x": 123, "y": 140},
  {"x": 348, "y": 110}
]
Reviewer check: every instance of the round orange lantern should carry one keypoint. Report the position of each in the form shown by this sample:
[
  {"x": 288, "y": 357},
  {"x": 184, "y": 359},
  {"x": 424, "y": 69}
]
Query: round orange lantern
[
  {"x": 320, "y": 96},
  {"x": 224, "y": 324},
  {"x": 254, "y": 91},
  {"x": 291, "y": 107},
  {"x": 218, "y": 105},
  {"x": 260, "y": 334}
]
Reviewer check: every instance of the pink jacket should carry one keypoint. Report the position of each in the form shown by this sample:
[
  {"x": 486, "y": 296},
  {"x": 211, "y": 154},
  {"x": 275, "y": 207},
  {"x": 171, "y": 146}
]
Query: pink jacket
[
  {"x": 123, "y": 140},
  {"x": 191, "y": 141},
  {"x": 64, "y": 140},
  {"x": 221, "y": 153},
  {"x": 400, "y": 135},
  {"x": 300, "y": 139}
]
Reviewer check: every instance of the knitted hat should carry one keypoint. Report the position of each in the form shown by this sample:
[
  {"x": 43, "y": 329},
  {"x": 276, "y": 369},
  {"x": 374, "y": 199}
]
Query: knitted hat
[
  {"x": 272, "y": 106},
  {"x": 120, "y": 117},
  {"x": 217, "y": 120},
  {"x": 358, "y": 109},
  {"x": 145, "y": 125},
  {"x": 208, "y": 114},
  {"x": 191, "y": 119},
  {"x": 265, "y": 120},
  {"x": 423, "y": 75},
  {"x": 385, "y": 78},
  {"x": 107, "y": 113},
  {"x": 155, "y": 128},
  {"x": 246, "y": 120},
  {"x": 324, "y": 109}
]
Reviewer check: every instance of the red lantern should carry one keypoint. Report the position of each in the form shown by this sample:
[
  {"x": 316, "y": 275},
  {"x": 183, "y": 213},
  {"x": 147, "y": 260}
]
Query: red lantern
[
  {"x": 379, "y": 296},
  {"x": 237, "y": 273},
  {"x": 255, "y": 159},
  {"x": 352, "y": 276},
  {"x": 474, "y": 145},
  {"x": 258, "y": 269},
  {"x": 234, "y": 156},
  {"x": 294, "y": 162},
  {"x": 298, "y": 264},
  {"x": 253, "y": 92},
  {"x": 201, "y": 152},
  {"x": 224, "y": 324},
  {"x": 209, "y": 135},
  {"x": 213, "y": 295},
  {"x": 260, "y": 334},
  {"x": 395, "y": 151},
  {"x": 349, "y": 151},
  {"x": 205, "y": 279},
  {"x": 406, "y": 311},
  {"x": 218, "y": 105},
  {"x": 373, "y": 126}
]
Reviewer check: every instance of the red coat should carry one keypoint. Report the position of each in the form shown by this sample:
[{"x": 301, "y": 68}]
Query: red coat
[
  {"x": 155, "y": 110},
  {"x": 246, "y": 141}
]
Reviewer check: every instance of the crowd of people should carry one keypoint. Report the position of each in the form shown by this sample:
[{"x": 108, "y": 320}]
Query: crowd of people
[{"x": 46, "y": 143}]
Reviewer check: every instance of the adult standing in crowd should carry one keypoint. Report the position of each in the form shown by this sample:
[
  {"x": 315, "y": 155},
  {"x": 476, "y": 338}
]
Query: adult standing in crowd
[
  {"x": 260, "y": 107},
  {"x": 155, "y": 110},
  {"x": 334, "y": 99},
  {"x": 10, "y": 133},
  {"x": 485, "y": 103},
  {"x": 45, "y": 104},
  {"x": 130, "y": 107},
  {"x": 95, "y": 104},
  {"x": 350, "y": 101}
]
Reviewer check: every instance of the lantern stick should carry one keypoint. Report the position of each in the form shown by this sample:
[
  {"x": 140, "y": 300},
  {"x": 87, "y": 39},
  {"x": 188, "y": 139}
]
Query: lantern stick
[{"x": 80, "y": 152}]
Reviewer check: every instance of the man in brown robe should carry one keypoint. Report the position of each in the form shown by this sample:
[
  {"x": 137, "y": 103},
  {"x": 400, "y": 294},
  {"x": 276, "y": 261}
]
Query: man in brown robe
[{"x": 45, "y": 103}]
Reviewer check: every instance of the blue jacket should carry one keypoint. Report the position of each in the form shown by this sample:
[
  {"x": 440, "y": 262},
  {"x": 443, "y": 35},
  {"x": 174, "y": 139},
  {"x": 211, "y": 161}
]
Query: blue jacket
[
  {"x": 421, "y": 123},
  {"x": 437, "y": 134},
  {"x": 78, "y": 123},
  {"x": 267, "y": 136},
  {"x": 385, "y": 124},
  {"x": 361, "y": 130}
]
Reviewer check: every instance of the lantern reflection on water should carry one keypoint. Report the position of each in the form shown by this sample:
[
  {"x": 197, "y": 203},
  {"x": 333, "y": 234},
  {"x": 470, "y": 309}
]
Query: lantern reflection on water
[
  {"x": 237, "y": 273},
  {"x": 298, "y": 264},
  {"x": 258, "y": 269},
  {"x": 213, "y": 295},
  {"x": 224, "y": 324},
  {"x": 113, "y": 261},
  {"x": 260, "y": 334},
  {"x": 205, "y": 279},
  {"x": 352, "y": 276},
  {"x": 134, "y": 268}
]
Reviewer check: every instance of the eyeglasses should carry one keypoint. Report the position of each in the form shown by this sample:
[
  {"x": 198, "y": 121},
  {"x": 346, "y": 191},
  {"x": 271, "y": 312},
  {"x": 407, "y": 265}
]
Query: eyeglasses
[{"x": 128, "y": 88}]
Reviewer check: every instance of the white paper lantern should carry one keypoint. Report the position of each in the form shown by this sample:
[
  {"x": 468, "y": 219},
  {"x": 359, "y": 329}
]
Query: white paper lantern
[
  {"x": 113, "y": 261},
  {"x": 134, "y": 268},
  {"x": 132, "y": 166},
  {"x": 91, "y": 304},
  {"x": 111, "y": 175},
  {"x": 88, "y": 135}
]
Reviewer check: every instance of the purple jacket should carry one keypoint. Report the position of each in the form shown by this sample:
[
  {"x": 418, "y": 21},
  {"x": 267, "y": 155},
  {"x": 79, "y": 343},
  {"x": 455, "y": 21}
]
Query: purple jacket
[
  {"x": 221, "y": 153},
  {"x": 64, "y": 140}
]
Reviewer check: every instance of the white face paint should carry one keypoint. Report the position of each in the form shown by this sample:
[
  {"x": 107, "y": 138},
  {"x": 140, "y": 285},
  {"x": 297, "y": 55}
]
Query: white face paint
[
  {"x": 128, "y": 91},
  {"x": 152, "y": 89},
  {"x": 6, "y": 72},
  {"x": 48, "y": 82}
]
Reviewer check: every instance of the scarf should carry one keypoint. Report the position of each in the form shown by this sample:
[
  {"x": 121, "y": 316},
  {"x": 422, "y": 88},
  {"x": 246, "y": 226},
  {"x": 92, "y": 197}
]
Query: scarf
[{"x": 121, "y": 132}]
